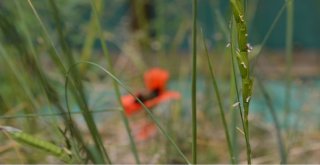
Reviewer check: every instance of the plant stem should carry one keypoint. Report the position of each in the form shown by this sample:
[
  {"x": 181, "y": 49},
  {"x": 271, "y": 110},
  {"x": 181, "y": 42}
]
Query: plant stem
[
  {"x": 232, "y": 47},
  {"x": 289, "y": 44},
  {"x": 282, "y": 148},
  {"x": 243, "y": 64},
  {"x": 194, "y": 84},
  {"x": 234, "y": 116},
  {"x": 266, "y": 37},
  {"x": 223, "y": 117}
]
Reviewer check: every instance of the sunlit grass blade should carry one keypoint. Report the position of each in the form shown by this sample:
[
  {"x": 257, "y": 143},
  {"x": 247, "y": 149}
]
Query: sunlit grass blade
[
  {"x": 152, "y": 117},
  {"x": 216, "y": 89},
  {"x": 24, "y": 138}
]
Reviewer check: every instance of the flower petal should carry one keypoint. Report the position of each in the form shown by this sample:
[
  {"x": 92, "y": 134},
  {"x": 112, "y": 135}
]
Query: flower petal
[
  {"x": 131, "y": 106},
  {"x": 156, "y": 79}
]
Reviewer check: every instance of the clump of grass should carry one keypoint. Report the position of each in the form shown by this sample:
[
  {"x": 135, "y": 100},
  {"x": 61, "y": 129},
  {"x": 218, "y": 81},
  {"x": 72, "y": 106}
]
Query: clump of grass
[
  {"x": 27, "y": 50},
  {"x": 77, "y": 89}
]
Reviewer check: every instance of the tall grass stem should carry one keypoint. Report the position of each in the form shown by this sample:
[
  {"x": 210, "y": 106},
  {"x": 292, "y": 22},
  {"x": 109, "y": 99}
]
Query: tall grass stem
[
  {"x": 222, "y": 114},
  {"x": 266, "y": 37},
  {"x": 233, "y": 61},
  {"x": 243, "y": 64},
  {"x": 289, "y": 46},
  {"x": 281, "y": 145},
  {"x": 194, "y": 83}
]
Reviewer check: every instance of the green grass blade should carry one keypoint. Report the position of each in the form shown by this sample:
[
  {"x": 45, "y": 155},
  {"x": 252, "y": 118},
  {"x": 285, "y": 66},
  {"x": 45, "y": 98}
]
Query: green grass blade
[
  {"x": 223, "y": 117},
  {"x": 62, "y": 40},
  {"x": 256, "y": 53},
  {"x": 31, "y": 115},
  {"x": 234, "y": 114},
  {"x": 194, "y": 83},
  {"x": 234, "y": 63},
  {"x": 24, "y": 138},
  {"x": 19, "y": 78},
  {"x": 281, "y": 145},
  {"x": 289, "y": 46},
  {"x": 86, "y": 51},
  {"x": 57, "y": 59}
]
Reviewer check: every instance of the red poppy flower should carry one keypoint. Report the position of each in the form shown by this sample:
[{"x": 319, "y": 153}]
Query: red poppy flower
[{"x": 155, "y": 81}]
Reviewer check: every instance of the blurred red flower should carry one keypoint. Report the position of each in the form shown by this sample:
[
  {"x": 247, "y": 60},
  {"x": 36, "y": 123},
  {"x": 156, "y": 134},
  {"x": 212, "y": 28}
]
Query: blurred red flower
[{"x": 155, "y": 81}]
